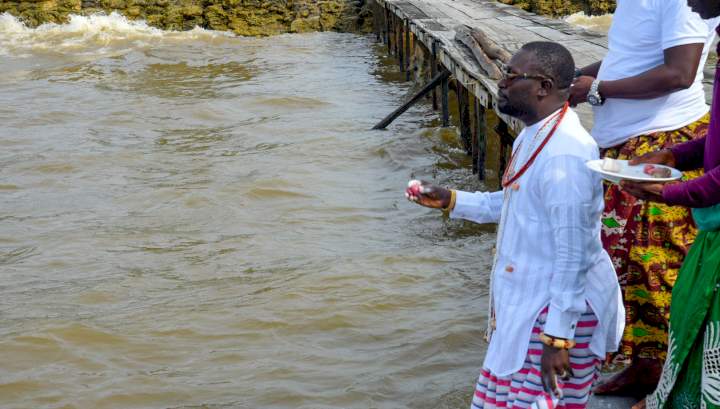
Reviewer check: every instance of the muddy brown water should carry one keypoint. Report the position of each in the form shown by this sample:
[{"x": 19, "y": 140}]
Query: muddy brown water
[{"x": 196, "y": 220}]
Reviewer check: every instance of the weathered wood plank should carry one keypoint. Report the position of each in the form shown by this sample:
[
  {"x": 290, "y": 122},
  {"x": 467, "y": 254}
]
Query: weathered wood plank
[
  {"x": 432, "y": 23},
  {"x": 463, "y": 35}
]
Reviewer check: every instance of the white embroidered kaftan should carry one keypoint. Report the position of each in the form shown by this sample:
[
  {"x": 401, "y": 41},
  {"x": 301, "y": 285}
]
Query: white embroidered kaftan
[{"x": 550, "y": 252}]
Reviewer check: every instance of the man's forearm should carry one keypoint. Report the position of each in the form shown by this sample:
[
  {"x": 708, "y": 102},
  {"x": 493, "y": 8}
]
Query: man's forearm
[
  {"x": 655, "y": 83},
  {"x": 678, "y": 72},
  {"x": 592, "y": 69},
  {"x": 478, "y": 207}
]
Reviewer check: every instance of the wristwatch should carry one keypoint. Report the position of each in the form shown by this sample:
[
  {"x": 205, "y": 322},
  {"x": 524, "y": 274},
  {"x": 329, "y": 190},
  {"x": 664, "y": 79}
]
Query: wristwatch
[{"x": 594, "y": 98}]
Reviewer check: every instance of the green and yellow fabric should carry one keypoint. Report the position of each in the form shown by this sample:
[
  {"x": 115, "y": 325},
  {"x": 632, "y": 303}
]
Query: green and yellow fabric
[{"x": 691, "y": 375}]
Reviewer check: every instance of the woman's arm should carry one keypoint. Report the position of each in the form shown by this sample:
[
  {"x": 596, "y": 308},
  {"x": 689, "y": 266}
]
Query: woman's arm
[
  {"x": 701, "y": 192},
  {"x": 689, "y": 155}
]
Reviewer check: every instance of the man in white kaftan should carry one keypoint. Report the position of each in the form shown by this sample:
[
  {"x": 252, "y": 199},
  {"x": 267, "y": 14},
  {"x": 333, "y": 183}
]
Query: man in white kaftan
[{"x": 552, "y": 282}]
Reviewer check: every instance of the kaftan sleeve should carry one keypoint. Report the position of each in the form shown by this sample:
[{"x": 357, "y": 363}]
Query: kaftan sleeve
[
  {"x": 568, "y": 191},
  {"x": 689, "y": 155},
  {"x": 697, "y": 193},
  {"x": 478, "y": 207}
]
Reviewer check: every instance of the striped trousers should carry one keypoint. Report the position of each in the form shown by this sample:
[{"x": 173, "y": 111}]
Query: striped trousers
[{"x": 524, "y": 389}]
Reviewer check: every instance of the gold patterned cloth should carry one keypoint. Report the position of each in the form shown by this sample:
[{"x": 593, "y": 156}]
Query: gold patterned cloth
[{"x": 647, "y": 243}]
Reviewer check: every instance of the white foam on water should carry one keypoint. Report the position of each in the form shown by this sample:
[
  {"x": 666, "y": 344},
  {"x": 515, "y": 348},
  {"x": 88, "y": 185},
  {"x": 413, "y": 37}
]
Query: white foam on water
[
  {"x": 600, "y": 23},
  {"x": 90, "y": 34}
]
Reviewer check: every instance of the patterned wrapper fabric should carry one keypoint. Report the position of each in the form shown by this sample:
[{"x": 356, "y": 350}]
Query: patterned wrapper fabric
[
  {"x": 691, "y": 374},
  {"x": 524, "y": 389},
  {"x": 647, "y": 243}
]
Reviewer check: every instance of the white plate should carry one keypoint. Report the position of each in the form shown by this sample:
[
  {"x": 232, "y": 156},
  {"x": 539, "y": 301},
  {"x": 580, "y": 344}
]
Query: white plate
[{"x": 635, "y": 173}]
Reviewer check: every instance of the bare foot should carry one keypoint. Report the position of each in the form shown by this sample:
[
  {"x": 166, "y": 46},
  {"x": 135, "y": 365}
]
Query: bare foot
[
  {"x": 639, "y": 405},
  {"x": 637, "y": 380}
]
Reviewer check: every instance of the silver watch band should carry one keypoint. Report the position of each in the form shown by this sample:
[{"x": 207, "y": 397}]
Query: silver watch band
[{"x": 594, "y": 89}]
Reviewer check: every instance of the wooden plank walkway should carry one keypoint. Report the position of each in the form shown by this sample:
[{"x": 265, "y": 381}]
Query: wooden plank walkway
[{"x": 434, "y": 21}]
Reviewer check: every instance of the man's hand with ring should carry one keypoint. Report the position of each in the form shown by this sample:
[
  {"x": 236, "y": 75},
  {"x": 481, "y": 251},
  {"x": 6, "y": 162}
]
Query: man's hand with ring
[{"x": 555, "y": 363}]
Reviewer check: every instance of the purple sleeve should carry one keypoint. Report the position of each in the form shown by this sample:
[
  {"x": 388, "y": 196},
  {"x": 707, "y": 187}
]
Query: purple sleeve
[
  {"x": 701, "y": 192},
  {"x": 689, "y": 155}
]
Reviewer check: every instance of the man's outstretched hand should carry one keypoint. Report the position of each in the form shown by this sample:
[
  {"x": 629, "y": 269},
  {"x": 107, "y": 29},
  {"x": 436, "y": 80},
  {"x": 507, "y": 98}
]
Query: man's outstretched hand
[{"x": 425, "y": 194}]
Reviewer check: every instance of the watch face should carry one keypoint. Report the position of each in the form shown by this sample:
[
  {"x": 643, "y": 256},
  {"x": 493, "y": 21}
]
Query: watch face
[{"x": 593, "y": 100}]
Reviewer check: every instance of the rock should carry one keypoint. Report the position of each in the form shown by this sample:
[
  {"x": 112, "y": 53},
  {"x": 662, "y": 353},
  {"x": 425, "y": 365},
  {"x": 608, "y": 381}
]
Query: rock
[
  {"x": 564, "y": 7},
  {"x": 192, "y": 10},
  {"x": 304, "y": 25},
  {"x": 252, "y": 17},
  {"x": 48, "y": 5},
  {"x": 216, "y": 17}
]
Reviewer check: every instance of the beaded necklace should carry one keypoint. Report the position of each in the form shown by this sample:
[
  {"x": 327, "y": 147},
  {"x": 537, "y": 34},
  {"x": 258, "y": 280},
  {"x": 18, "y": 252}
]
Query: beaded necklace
[{"x": 510, "y": 175}]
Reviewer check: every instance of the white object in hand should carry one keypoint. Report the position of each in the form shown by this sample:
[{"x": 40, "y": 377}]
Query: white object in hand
[
  {"x": 611, "y": 165},
  {"x": 414, "y": 190}
]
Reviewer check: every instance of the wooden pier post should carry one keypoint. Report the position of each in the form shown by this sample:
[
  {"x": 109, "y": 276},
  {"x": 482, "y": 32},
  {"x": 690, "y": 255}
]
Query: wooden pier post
[
  {"x": 377, "y": 25},
  {"x": 479, "y": 140},
  {"x": 387, "y": 30},
  {"x": 445, "y": 103},
  {"x": 399, "y": 43},
  {"x": 433, "y": 72},
  {"x": 464, "y": 111},
  {"x": 407, "y": 50},
  {"x": 506, "y": 141}
]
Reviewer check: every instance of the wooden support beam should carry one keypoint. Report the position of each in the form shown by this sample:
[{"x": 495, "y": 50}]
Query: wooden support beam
[
  {"x": 506, "y": 142},
  {"x": 464, "y": 112},
  {"x": 407, "y": 50},
  {"x": 377, "y": 26},
  {"x": 479, "y": 140},
  {"x": 440, "y": 78},
  {"x": 445, "y": 91},
  {"x": 433, "y": 73},
  {"x": 387, "y": 30},
  {"x": 399, "y": 48}
]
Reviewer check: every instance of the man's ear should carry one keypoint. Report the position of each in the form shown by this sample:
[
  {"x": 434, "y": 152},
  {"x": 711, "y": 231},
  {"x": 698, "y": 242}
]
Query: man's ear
[
  {"x": 543, "y": 91},
  {"x": 545, "y": 87}
]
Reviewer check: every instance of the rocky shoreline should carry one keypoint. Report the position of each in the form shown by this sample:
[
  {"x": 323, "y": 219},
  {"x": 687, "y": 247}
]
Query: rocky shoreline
[
  {"x": 564, "y": 7},
  {"x": 252, "y": 17},
  {"x": 243, "y": 17}
]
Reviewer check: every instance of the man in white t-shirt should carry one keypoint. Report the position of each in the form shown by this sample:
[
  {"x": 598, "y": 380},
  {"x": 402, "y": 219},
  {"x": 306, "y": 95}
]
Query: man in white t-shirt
[{"x": 647, "y": 95}]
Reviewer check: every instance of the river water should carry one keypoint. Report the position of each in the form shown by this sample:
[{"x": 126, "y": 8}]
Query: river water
[{"x": 197, "y": 220}]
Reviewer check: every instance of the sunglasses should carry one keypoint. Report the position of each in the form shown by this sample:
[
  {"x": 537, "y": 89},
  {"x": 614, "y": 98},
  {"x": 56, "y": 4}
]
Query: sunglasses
[{"x": 509, "y": 77}]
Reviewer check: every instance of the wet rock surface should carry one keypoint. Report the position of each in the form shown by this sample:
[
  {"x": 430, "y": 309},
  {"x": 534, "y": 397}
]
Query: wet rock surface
[
  {"x": 564, "y": 7},
  {"x": 244, "y": 17}
]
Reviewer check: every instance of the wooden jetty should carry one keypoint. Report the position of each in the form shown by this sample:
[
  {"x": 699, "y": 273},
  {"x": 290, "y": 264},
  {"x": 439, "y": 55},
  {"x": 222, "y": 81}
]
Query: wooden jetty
[{"x": 466, "y": 38}]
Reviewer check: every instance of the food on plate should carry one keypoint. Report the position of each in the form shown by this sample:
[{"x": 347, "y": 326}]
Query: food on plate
[
  {"x": 611, "y": 165},
  {"x": 657, "y": 172}
]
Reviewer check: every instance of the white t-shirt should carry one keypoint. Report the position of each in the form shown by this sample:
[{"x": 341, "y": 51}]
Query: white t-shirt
[{"x": 641, "y": 30}]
